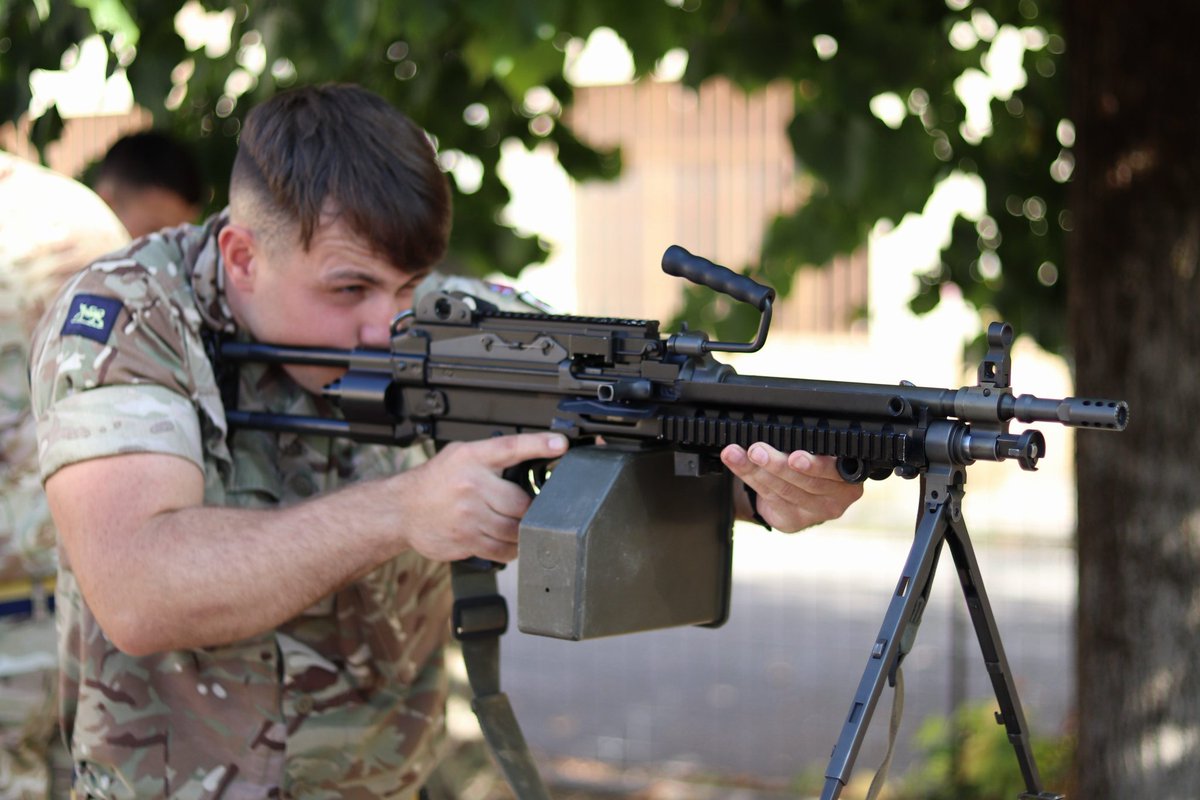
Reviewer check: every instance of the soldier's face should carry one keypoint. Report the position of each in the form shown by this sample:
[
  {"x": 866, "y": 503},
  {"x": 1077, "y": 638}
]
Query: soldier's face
[{"x": 338, "y": 293}]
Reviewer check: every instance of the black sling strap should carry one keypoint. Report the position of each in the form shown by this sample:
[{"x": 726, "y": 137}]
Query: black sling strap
[{"x": 480, "y": 616}]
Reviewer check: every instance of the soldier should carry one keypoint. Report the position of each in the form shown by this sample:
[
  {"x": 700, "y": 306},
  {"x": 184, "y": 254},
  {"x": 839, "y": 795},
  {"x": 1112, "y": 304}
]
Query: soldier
[
  {"x": 151, "y": 181},
  {"x": 50, "y": 227},
  {"x": 263, "y": 614}
]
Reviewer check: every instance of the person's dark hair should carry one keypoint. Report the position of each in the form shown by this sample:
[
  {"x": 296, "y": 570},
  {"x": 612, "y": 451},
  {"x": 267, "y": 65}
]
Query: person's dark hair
[
  {"x": 152, "y": 158},
  {"x": 340, "y": 149}
]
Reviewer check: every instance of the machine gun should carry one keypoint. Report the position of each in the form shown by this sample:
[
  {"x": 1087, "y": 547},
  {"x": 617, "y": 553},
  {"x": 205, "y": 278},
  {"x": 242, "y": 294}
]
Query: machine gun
[{"x": 632, "y": 529}]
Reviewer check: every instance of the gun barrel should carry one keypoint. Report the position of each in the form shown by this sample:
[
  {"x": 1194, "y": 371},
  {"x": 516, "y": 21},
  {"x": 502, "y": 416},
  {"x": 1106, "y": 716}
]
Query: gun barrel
[
  {"x": 309, "y": 356},
  {"x": 1078, "y": 412}
]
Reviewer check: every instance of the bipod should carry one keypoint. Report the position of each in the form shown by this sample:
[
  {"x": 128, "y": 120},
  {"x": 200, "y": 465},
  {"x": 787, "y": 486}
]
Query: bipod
[{"x": 940, "y": 520}]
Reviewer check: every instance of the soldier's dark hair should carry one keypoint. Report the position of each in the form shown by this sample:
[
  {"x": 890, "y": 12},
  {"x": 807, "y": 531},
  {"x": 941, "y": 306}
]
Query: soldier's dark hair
[
  {"x": 152, "y": 158},
  {"x": 338, "y": 149}
]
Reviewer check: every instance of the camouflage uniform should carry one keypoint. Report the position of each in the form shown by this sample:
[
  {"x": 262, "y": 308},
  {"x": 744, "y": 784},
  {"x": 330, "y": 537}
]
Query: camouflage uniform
[
  {"x": 50, "y": 226},
  {"x": 347, "y": 699}
]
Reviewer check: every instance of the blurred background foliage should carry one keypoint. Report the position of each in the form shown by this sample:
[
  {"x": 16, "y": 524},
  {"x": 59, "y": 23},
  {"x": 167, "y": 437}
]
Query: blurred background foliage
[
  {"x": 476, "y": 75},
  {"x": 968, "y": 756},
  {"x": 962, "y": 756}
]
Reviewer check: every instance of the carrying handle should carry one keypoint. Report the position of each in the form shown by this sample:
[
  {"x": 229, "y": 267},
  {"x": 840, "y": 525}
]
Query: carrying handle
[
  {"x": 697, "y": 269},
  {"x": 680, "y": 263}
]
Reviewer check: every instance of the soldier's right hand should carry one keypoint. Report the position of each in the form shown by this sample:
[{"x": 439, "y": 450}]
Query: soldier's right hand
[{"x": 457, "y": 504}]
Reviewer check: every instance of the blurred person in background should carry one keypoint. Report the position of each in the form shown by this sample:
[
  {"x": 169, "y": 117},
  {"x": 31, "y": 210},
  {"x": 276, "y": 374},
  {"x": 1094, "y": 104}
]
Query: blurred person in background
[
  {"x": 50, "y": 227},
  {"x": 151, "y": 181}
]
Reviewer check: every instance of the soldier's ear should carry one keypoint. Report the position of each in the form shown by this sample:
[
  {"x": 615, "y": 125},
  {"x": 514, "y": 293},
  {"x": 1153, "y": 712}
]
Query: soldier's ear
[{"x": 238, "y": 252}]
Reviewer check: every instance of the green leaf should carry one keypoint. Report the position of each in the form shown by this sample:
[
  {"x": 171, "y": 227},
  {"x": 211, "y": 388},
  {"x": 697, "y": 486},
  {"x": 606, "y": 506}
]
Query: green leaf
[
  {"x": 46, "y": 129},
  {"x": 111, "y": 16},
  {"x": 583, "y": 162}
]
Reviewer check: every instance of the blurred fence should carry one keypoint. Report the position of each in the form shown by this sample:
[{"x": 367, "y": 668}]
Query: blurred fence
[
  {"x": 707, "y": 169},
  {"x": 84, "y": 139}
]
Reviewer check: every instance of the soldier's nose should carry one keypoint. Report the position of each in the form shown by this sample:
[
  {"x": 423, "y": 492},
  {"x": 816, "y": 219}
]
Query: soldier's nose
[{"x": 374, "y": 336}]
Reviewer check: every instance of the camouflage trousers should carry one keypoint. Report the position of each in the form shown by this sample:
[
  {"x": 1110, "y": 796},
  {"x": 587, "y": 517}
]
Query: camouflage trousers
[{"x": 34, "y": 763}]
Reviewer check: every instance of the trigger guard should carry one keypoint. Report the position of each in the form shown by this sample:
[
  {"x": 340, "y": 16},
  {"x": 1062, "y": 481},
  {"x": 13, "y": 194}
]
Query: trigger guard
[{"x": 531, "y": 476}]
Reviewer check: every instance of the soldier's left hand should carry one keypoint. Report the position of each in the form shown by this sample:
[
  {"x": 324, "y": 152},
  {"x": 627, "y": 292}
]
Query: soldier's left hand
[{"x": 795, "y": 491}]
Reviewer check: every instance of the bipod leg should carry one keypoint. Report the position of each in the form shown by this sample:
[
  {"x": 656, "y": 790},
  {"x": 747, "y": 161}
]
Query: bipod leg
[
  {"x": 898, "y": 631},
  {"x": 1010, "y": 715}
]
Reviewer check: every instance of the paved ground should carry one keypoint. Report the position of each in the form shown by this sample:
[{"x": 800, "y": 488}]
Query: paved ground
[{"x": 765, "y": 696}]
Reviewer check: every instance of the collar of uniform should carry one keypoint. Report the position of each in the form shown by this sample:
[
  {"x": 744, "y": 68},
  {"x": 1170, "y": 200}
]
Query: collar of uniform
[{"x": 208, "y": 276}]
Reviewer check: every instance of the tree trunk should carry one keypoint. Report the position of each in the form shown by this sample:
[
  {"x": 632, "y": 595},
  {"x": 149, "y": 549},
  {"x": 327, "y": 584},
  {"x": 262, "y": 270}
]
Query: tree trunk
[{"x": 1134, "y": 315}]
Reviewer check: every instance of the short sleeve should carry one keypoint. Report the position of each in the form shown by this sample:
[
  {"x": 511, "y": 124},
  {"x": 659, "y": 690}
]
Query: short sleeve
[
  {"x": 110, "y": 368},
  {"x": 113, "y": 420}
]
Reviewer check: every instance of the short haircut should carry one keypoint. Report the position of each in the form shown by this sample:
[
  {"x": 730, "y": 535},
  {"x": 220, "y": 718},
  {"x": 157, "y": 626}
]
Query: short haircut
[
  {"x": 152, "y": 158},
  {"x": 338, "y": 149}
]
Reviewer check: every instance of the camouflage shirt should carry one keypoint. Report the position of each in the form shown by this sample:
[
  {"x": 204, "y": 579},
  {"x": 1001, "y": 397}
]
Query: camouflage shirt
[
  {"x": 50, "y": 227},
  {"x": 347, "y": 699}
]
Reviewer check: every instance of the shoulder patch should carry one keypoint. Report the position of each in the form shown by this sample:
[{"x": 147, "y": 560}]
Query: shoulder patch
[{"x": 92, "y": 317}]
